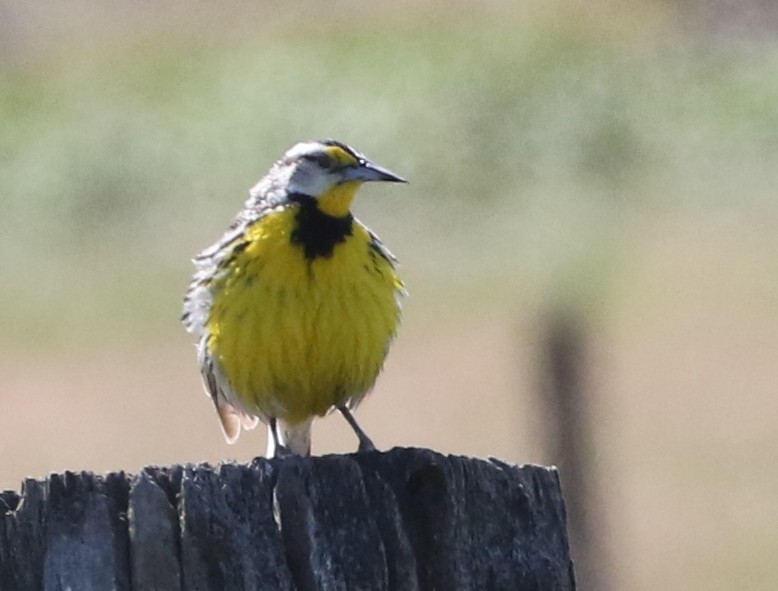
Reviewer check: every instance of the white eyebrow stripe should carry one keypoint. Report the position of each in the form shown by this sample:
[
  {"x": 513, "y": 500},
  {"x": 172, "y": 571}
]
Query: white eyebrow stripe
[{"x": 302, "y": 148}]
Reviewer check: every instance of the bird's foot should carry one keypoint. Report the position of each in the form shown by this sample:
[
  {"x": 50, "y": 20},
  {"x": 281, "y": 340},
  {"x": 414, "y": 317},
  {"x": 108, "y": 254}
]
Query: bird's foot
[
  {"x": 365, "y": 445},
  {"x": 281, "y": 451}
]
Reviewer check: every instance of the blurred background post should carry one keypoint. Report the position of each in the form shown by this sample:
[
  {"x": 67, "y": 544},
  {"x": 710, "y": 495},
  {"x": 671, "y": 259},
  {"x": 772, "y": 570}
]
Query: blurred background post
[{"x": 600, "y": 174}]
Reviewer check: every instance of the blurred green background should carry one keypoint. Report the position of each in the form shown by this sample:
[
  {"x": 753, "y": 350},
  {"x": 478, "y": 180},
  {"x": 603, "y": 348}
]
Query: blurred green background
[{"x": 615, "y": 162}]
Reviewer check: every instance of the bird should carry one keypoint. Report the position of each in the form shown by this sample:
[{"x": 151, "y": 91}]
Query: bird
[{"x": 296, "y": 305}]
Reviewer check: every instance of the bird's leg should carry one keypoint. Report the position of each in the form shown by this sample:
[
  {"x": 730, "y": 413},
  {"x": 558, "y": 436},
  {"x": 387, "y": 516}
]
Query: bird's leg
[
  {"x": 275, "y": 449},
  {"x": 365, "y": 444}
]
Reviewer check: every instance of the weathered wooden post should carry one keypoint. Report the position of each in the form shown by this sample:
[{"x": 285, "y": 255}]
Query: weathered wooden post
[{"x": 406, "y": 519}]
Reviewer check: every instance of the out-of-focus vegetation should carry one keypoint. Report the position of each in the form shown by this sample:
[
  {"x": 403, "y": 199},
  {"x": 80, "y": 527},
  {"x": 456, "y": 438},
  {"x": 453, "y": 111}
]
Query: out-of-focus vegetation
[
  {"x": 538, "y": 143},
  {"x": 612, "y": 158}
]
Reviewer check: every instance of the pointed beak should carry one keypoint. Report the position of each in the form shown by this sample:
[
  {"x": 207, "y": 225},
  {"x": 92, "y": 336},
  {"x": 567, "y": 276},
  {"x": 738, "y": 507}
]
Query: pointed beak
[{"x": 366, "y": 171}]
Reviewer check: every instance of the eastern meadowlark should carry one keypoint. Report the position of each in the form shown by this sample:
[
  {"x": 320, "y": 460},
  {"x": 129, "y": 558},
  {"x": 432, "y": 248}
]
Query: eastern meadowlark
[{"x": 295, "y": 306}]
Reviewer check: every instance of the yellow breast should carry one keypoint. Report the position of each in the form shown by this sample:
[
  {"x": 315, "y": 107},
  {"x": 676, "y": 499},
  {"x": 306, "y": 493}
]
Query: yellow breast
[{"x": 295, "y": 336}]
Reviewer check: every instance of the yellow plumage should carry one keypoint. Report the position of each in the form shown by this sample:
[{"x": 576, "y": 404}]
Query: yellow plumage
[
  {"x": 295, "y": 337},
  {"x": 297, "y": 304}
]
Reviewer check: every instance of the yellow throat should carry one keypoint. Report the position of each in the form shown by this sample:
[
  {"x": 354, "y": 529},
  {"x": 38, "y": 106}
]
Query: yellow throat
[{"x": 337, "y": 201}]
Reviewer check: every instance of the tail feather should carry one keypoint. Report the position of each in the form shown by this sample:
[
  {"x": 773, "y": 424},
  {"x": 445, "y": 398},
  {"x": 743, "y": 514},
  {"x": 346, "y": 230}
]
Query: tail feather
[{"x": 232, "y": 419}]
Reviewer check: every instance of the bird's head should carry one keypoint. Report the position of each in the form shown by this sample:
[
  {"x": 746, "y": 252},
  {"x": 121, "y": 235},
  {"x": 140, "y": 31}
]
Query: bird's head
[{"x": 330, "y": 172}]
